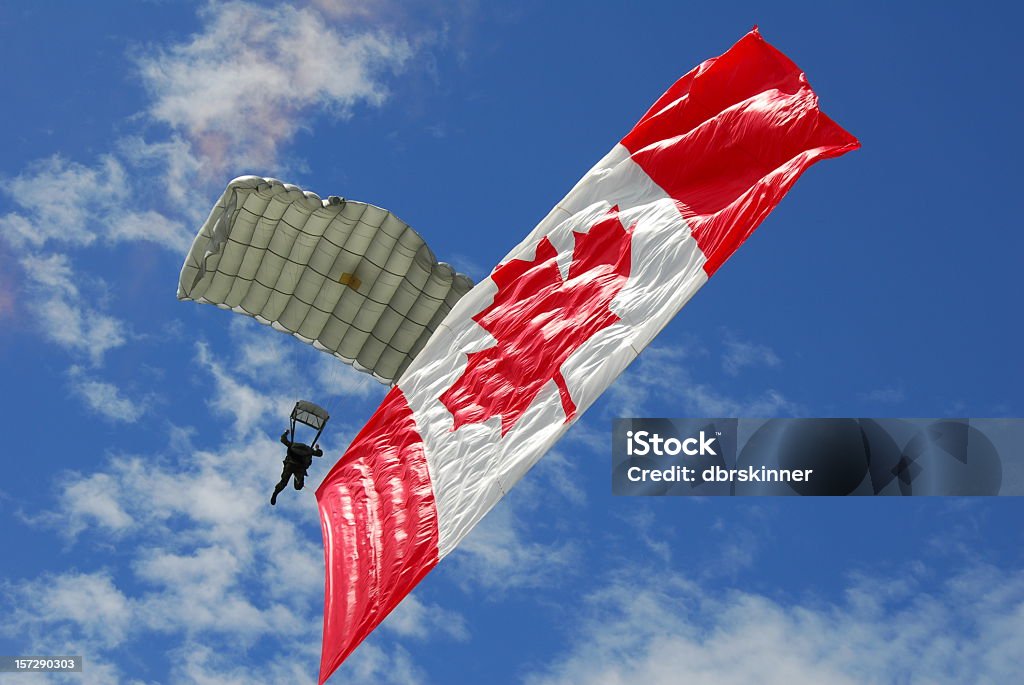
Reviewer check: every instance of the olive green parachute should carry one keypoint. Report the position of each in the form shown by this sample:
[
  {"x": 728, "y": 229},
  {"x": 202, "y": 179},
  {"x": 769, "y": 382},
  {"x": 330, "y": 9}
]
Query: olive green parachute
[{"x": 347, "y": 277}]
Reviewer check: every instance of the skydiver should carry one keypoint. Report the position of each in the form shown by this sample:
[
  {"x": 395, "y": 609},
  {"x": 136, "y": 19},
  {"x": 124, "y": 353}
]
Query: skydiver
[{"x": 299, "y": 458}]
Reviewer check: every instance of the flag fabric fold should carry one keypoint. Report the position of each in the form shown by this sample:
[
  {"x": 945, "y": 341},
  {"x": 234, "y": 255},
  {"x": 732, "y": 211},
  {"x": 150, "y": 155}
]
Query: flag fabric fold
[{"x": 527, "y": 350}]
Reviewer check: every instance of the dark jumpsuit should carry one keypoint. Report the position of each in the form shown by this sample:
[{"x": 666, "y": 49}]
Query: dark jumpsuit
[{"x": 299, "y": 458}]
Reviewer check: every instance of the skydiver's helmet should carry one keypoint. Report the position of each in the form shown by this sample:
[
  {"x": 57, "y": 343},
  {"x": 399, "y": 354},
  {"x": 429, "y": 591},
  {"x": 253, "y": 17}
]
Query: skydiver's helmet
[{"x": 308, "y": 414}]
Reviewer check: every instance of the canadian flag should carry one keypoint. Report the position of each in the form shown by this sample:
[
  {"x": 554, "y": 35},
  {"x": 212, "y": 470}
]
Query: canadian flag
[{"x": 522, "y": 355}]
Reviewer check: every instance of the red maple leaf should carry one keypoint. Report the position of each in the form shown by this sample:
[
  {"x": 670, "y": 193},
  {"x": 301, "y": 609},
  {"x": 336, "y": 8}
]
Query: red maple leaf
[{"x": 539, "y": 320}]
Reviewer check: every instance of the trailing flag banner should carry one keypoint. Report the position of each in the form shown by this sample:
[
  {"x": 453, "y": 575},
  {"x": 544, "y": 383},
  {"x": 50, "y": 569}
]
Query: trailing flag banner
[{"x": 525, "y": 352}]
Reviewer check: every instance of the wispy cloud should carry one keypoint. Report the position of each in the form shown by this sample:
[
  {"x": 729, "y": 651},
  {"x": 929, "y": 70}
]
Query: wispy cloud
[
  {"x": 499, "y": 555},
  {"x": 662, "y": 373},
  {"x": 89, "y": 600},
  {"x": 245, "y": 404},
  {"x": 738, "y": 548},
  {"x": 645, "y": 524},
  {"x": 336, "y": 379},
  {"x": 890, "y": 394},
  {"x": 738, "y": 355},
  {"x": 172, "y": 170},
  {"x": 7, "y": 287},
  {"x": 263, "y": 354},
  {"x": 60, "y": 201},
  {"x": 150, "y": 226},
  {"x": 561, "y": 472},
  {"x": 370, "y": 664},
  {"x": 242, "y": 86},
  {"x": 63, "y": 313},
  {"x": 416, "y": 619},
  {"x": 105, "y": 398},
  {"x": 967, "y": 630}
]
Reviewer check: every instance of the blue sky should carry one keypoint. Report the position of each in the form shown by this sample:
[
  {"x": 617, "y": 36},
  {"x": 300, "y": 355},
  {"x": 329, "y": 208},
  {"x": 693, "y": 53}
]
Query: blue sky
[{"x": 141, "y": 432}]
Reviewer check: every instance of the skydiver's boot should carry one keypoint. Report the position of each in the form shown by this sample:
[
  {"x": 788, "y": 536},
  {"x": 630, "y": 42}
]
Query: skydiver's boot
[{"x": 286, "y": 475}]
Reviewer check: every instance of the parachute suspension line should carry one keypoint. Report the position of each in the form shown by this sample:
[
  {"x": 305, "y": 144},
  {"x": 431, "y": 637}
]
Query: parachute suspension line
[
  {"x": 333, "y": 381},
  {"x": 319, "y": 377},
  {"x": 309, "y": 376}
]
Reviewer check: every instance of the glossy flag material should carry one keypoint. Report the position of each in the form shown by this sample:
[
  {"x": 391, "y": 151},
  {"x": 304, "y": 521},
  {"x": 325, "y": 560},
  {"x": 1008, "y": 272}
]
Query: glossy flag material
[{"x": 526, "y": 351}]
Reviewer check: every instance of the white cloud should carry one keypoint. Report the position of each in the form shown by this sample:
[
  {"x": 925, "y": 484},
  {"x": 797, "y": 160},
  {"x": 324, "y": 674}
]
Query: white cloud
[
  {"x": 63, "y": 313},
  {"x": 270, "y": 357},
  {"x": 737, "y": 549},
  {"x": 90, "y": 601},
  {"x": 414, "y": 619},
  {"x": 92, "y": 500},
  {"x": 200, "y": 592},
  {"x": 968, "y": 629},
  {"x": 468, "y": 266},
  {"x": 738, "y": 355},
  {"x": 340, "y": 9},
  {"x": 561, "y": 473},
  {"x": 199, "y": 663},
  {"x": 645, "y": 524},
  {"x": 706, "y": 401},
  {"x": 52, "y": 273},
  {"x": 239, "y": 87},
  {"x": 370, "y": 665},
  {"x": 7, "y": 286},
  {"x": 150, "y": 226},
  {"x": 106, "y": 398},
  {"x": 64, "y": 202},
  {"x": 264, "y": 355},
  {"x": 61, "y": 201},
  {"x": 660, "y": 373},
  {"x": 78, "y": 328},
  {"x": 498, "y": 556},
  {"x": 248, "y": 406},
  {"x": 171, "y": 168},
  {"x": 337, "y": 379}
]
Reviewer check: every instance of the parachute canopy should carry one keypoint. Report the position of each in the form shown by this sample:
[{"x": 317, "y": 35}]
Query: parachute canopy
[{"x": 347, "y": 277}]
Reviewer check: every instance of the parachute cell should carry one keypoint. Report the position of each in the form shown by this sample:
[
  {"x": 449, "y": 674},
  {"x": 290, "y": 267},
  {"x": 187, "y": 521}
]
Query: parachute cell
[{"x": 347, "y": 277}]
